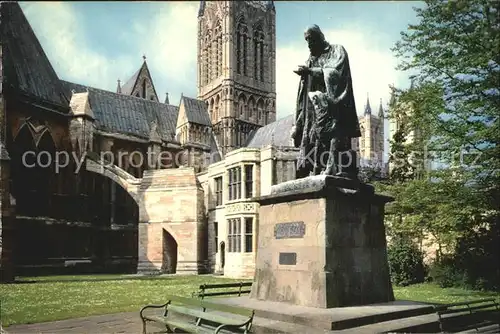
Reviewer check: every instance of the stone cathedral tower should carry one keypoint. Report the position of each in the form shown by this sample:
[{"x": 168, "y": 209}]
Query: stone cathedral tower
[{"x": 237, "y": 67}]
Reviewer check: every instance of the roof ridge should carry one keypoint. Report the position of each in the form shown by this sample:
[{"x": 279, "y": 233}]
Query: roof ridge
[{"x": 114, "y": 93}]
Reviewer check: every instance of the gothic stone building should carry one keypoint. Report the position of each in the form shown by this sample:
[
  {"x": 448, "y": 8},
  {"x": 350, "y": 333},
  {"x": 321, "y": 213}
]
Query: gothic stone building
[
  {"x": 370, "y": 146},
  {"x": 188, "y": 209},
  {"x": 109, "y": 210}
]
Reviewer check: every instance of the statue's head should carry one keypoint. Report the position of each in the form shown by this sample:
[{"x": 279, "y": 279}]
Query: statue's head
[{"x": 315, "y": 39}]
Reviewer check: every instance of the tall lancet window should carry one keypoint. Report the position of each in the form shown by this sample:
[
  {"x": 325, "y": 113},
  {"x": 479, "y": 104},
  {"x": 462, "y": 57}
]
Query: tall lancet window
[
  {"x": 245, "y": 52},
  {"x": 144, "y": 89},
  {"x": 218, "y": 50},
  {"x": 258, "y": 45},
  {"x": 241, "y": 48},
  {"x": 208, "y": 73},
  {"x": 261, "y": 55}
]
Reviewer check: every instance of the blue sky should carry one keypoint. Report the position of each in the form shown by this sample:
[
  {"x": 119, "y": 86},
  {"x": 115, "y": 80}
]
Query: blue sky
[{"x": 96, "y": 43}]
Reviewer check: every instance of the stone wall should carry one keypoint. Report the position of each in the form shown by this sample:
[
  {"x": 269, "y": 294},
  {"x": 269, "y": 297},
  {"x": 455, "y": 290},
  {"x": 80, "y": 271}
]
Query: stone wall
[
  {"x": 172, "y": 223},
  {"x": 171, "y": 211}
]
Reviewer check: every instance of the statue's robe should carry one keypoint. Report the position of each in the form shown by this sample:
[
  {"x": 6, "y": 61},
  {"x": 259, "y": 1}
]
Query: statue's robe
[{"x": 331, "y": 74}]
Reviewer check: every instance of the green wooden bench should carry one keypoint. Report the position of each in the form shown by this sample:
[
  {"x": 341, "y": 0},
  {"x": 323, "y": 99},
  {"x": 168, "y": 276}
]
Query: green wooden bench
[
  {"x": 198, "y": 316},
  {"x": 481, "y": 316},
  {"x": 231, "y": 289}
]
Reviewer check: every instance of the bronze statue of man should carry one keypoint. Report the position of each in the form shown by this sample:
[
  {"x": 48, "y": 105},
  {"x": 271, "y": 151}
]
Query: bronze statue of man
[{"x": 326, "y": 119}]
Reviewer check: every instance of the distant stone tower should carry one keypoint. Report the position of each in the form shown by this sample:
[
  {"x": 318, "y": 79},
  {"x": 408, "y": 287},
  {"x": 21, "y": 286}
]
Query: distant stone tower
[
  {"x": 237, "y": 67},
  {"x": 371, "y": 142}
]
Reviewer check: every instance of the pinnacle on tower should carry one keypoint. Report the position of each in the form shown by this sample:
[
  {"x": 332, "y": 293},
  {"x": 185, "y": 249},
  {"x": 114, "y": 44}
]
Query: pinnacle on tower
[
  {"x": 380, "y": 110},
  {"x": 368, "y": 109},
  {"x": 118, "y": 87},
  {"x": 166, "y": 98}
]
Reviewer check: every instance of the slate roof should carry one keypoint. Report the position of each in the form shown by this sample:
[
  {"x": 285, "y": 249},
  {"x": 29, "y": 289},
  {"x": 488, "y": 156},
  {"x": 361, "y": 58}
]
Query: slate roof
[
  {"x": 128, "y": 87},
  {"x": 129, "y": 115},
  {"x": 26, "y": 67},
  {"x": 132, "y": 82},
  {"x": 276, "y": 133},
  {"x": 196, "y": 111}
]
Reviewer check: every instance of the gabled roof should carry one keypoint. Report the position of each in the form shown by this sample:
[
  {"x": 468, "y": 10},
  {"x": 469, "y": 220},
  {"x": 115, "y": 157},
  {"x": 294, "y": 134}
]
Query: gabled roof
[
  {"x": 196, "y": 111},
  {"x": 129, "y": 86},
  {"x": 128, "y": 115},
  {"x": 132, "y": 83},
  {"x": 276, "y": 133},
  {"x": 26, "y": 68}
]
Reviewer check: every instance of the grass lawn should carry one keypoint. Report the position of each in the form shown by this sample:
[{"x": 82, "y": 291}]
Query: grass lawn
[{"x": 39, "y": 299}]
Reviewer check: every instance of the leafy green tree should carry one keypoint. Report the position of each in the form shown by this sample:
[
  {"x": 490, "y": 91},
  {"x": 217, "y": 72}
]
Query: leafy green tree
[
  {"x": 455, "y": 105},
  {"x": 455, "y": 51}
]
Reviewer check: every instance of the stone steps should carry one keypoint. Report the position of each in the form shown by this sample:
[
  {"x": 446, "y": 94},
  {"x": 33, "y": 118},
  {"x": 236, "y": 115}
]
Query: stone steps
[
  {"x": 324, "y": 322},
  {"x": 374, "y": 319},
  {"x": 426, "y": 323},
  {"x": 269, "y": 326}
]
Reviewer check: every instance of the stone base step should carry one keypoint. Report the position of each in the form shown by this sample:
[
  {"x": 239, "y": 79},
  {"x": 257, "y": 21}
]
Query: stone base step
[
  {"x": 327, "y": 323},
  {"x": 427, "y": 323},
  {"x": 331, "y": 319},
  {"x": 268, "y": 326}
]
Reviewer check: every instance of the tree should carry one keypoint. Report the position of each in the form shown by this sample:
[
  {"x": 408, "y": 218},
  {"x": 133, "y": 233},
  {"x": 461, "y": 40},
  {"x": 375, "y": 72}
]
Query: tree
[{"x": 454, "y": 49}]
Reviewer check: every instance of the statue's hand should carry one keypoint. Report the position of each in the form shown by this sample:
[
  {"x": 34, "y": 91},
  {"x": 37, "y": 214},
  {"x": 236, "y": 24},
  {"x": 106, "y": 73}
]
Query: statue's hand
[{"x": 302, "y": 70}]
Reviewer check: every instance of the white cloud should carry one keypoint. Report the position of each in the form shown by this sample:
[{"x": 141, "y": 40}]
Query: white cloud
[
  {"x": 169, "y": 40},
  {"x": 63, "y": 40},
  {"x": 372, "y": 69}
]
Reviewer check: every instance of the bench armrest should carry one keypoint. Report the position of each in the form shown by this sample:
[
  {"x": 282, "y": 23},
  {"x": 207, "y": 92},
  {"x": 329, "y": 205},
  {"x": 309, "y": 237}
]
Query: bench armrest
[
  {"x": 247, "y": 324},
  {"x": 153, "y": 306}
]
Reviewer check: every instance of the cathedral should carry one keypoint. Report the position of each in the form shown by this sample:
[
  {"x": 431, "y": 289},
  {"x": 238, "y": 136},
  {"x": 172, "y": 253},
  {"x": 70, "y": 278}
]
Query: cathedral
[{"x": 77, "y": 193}]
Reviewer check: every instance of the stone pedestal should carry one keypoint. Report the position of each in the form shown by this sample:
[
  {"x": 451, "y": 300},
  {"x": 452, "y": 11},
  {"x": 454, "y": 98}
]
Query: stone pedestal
[{"x": 321, "y": 243}]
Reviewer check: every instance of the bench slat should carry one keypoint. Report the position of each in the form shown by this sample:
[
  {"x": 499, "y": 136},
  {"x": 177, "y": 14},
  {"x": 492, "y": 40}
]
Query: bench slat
[
  {"x": 188, "y": 327},
  {"x": 210, "y": 316},
  {"x": 225, "y": 285},
  {"x": 466, "y": 317},
  {"x": 212, "y": 306},
  {"x": 489, "y": 300},
  {"x": 468, "y": 309},
  {"x": 479, "y": 327},
  {"x": 224, "y": 293}
]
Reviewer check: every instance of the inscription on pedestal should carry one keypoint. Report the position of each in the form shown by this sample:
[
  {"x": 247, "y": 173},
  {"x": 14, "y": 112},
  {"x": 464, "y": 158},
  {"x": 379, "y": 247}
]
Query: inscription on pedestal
[
  {"x": 289, "y": 259},
  {"x": 289, "y": 230}
]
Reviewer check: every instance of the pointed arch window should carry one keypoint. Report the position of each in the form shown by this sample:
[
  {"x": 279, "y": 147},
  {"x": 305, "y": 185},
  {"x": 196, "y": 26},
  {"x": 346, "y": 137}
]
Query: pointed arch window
[
  {"x": 218, "y": 50},
  {"x": 258, "y": 45},
  {"x": 144, "y": 88},
  {"x": 207, "y": 59},
  {"x": 250, "y": 111},
  {"x": 241, "y": 47},
  {"x": 260, "y": 111}
]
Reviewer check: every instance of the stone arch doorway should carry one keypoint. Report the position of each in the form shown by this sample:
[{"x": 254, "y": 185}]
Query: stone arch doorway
[
  {"x": 169, "y": 263},
  {"x": 222, "y": 256},
  {"x": 23, "y": 159}
]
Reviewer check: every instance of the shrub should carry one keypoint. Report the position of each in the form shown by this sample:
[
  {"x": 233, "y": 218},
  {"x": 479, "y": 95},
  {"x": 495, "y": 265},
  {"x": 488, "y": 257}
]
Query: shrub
[
  {"x": 445, "y": 274},
  {"x": 406, "y": 262},
  {"x": 474, "y": 264}
]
